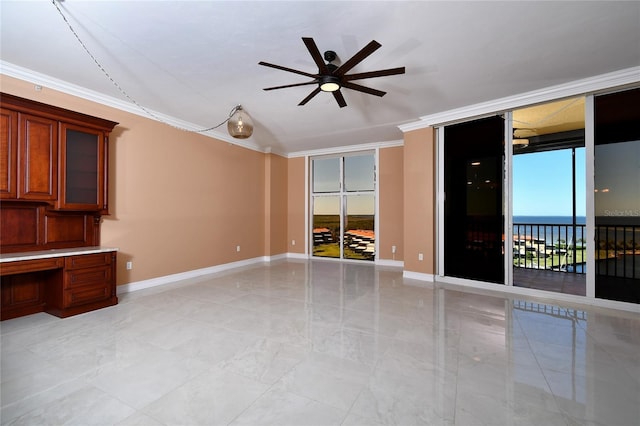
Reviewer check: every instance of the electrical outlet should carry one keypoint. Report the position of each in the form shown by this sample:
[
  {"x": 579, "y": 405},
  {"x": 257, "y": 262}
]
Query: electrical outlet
[
  {"x": 293, "y": 242},
  {"x": 420, "y": 256},
  {"x": 129, "y": 266},
  {"x": 393, "y": 249},
  {"x": 237, "y": 248}
]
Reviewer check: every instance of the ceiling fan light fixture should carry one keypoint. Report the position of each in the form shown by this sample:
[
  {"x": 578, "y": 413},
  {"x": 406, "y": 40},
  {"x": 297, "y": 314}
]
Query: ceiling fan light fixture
[
  {"x": 329, "y": 83},
  {"x": 521, "y": 142},
  {"x": 240, "y": 125}
]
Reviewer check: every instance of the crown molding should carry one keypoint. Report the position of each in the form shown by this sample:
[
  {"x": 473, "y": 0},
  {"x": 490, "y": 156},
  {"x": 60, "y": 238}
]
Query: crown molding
[
  {"x": 616, "y": 79},
  {"x": 44, "y": 80},
  {"x": 343, "y": 149}
]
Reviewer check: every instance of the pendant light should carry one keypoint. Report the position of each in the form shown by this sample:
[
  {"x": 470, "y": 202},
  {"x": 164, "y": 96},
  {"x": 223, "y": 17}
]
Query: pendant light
[{"x": 240, "y": 125}]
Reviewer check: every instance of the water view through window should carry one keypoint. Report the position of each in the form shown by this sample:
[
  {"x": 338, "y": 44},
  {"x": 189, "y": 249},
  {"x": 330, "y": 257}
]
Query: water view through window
[{"x": 549, "y": 220}]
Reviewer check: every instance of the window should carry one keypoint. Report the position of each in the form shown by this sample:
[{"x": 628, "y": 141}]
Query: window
[{"x": 343, "y": 206}]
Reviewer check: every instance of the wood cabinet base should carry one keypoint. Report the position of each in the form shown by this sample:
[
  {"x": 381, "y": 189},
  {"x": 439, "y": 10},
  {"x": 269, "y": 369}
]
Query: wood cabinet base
[
  {"x": 81, "y": 309},
  {"x": 63, "y": 286}
]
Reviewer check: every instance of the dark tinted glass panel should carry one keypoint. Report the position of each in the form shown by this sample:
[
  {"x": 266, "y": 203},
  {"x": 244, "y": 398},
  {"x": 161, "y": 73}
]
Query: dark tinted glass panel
[
  {"x": 473, "y": 157},
  {"x": 82, "y": 168},
  {"x": 617, "y": 196}
]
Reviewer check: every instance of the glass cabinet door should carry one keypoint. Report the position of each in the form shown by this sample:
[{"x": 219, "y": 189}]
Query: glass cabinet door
[{"x": 82, "y": 170}]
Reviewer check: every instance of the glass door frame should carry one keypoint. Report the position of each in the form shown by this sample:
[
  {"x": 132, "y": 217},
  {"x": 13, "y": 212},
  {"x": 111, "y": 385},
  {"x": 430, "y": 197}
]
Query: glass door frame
[{"x": 343, "y": 195}]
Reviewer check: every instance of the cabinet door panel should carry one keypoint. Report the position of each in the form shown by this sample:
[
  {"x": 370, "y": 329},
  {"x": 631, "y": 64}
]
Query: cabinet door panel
[
  {"x": 38, "y": 160},
  {"x": 8, "y": 153},
  {"x": 82, "y": 157},
  {"x": 19, "y": 226}
]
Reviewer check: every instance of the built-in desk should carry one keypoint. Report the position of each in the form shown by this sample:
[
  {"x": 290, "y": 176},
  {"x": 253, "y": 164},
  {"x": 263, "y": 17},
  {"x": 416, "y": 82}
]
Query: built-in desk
[{"x": 62, "y": 282}]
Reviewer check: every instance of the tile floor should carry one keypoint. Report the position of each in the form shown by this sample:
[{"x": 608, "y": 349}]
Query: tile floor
[{"x": 321, "y": 343}]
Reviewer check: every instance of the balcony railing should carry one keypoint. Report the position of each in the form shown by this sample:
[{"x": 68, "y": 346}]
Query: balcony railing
[
  {"x": 556, "y": 247},
  {"x": 562, "y": 248}
]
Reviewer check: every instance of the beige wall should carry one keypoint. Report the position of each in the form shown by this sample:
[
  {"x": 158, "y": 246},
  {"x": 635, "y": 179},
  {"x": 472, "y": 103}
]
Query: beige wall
[
  {"x": 391, "y": 203},
  {"x": 419, "y": 200},
  {"x": 179, "y": 201},
  {"x": 276, "y": 205},
  {"x": 296, "y": 198}
]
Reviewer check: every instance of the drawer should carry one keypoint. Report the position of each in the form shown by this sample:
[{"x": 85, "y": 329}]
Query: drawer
[
  {"x": 87, "y": 261},
  {"x": 87, "y": 276},
  {"x": 86, "y": 294},
  {"x": 23, "y": 266}
]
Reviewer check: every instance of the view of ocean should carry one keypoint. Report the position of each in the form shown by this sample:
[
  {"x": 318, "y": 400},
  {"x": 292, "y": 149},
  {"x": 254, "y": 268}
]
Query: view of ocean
[
  {"x": 551, "y": 229},
  {"x": 555, "y": 220}
]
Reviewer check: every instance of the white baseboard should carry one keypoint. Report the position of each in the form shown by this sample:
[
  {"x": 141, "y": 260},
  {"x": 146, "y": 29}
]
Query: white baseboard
[
  {"x": 168, "y": 279},
  {"x": 419, "y": 276},
  {"x": 296, "y": 256}
]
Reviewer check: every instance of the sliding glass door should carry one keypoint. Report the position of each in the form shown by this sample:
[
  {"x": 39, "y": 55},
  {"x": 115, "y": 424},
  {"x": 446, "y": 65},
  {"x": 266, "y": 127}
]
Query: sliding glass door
[
  {"x": 473, "y": 203},
  {"x": 617, "y": 196},
  {"x": 548, "y": 200},
  {"x": 343, "y": 205},
  {"x": 521, "y": 215}
]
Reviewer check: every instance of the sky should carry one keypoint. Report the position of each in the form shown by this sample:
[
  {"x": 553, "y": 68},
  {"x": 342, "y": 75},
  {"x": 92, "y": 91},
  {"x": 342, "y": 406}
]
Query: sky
[
  {"x": 358, "y": 176},
  {"x": 542, "y": 184}
]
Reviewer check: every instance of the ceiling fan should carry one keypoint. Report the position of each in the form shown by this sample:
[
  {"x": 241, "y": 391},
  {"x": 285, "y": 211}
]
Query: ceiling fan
[{"x": 331, "y": 78}]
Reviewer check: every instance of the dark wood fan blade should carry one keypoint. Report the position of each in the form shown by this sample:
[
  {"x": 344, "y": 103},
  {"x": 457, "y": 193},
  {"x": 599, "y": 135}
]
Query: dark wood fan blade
[
  {"x": 357, "y": 58},
  {"x": 315, "y": 54},
  {"x": 280, "y": 67},
  {"x": 364, "y": 89},
  {"x": 372, "y": 74},
  {"x": 311, "y": 95},
  {"x": 291, "y": 85},
  {"x": 339, "y": 98}
]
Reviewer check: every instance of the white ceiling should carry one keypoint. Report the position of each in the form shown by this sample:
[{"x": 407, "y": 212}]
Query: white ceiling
[{"x": 195, "y": 60}]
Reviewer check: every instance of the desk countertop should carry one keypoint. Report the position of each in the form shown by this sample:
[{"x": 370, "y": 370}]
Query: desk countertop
[{"x": 44, "y": 254}]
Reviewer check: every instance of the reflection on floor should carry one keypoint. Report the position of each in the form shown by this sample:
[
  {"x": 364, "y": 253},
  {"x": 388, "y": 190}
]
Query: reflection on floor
[{"x": 326, "y": 343}]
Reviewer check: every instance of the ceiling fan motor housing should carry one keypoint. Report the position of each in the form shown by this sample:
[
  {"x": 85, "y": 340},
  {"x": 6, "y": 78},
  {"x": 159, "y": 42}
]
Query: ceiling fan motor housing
[{"x": 330, "y": 56}]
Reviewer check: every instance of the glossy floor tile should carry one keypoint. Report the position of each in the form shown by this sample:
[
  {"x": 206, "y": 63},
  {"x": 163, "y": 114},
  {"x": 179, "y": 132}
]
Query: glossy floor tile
[{"x": 322, "y": 343}]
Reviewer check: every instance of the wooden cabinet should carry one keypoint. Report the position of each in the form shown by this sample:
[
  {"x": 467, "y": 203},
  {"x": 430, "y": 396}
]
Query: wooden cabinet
[
  {"x": 62, "y": 286},
  {"x": 54, "y": 191},
  {"x": 53, "y": 155},
  {"x": 53, "y": 175},
  {"x": 88, "y": 283}
]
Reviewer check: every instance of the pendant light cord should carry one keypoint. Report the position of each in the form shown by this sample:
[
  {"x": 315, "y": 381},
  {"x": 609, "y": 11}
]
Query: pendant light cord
[{"x": 124, "y": 92}]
